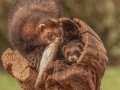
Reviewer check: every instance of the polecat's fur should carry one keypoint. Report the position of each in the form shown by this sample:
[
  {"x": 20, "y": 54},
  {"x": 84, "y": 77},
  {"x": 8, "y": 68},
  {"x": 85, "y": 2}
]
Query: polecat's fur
[
  {"x": 32, "y": 25},
  {"x": 72, "y": 50}
]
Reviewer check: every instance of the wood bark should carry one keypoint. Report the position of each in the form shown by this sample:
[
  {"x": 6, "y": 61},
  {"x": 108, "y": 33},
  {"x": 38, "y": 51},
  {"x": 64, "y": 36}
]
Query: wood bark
[{"x": 85, "y": 74}]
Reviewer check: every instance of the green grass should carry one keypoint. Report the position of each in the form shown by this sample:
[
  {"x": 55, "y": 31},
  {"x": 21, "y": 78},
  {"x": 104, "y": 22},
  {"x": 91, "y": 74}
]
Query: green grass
[
  {"x": 7, "y": 82},
  {"x": 110, "y": 81}
]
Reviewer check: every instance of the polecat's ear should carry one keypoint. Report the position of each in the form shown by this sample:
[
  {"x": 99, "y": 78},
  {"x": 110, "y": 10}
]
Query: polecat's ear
[
  {"x": 63, "y": 49},
  {"x": 42, "y": 27},
  {"x": 80, "y": 45}
]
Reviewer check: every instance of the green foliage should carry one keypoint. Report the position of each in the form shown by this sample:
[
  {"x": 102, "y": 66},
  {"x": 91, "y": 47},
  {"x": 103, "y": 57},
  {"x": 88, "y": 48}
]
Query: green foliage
[
  {"x": 111, "y": 79},
  {"x": 7, "y": 82},
  {"x": 4, "y": 10}
]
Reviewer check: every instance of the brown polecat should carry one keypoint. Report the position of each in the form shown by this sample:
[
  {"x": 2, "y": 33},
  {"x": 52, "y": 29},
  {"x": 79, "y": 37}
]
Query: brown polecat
[
  {"x": 32, "y": 25},
  {"x": 72, "y": 50}
]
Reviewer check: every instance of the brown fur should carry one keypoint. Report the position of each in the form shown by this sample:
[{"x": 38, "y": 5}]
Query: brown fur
[
  {"x": 72, "y": 50},
  {"x": 32, "y": 25}
]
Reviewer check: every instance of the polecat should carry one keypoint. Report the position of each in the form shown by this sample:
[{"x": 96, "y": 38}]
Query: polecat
[
  {"x": 32, "y": 25},
  {"x": 72, "y": 50}
]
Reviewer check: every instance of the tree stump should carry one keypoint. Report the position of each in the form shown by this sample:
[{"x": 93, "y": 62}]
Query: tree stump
[{"x": 85, "y": 74}]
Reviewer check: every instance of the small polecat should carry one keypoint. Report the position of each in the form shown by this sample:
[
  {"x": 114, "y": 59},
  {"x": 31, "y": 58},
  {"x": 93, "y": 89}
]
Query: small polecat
[
  {"x": 72, "y": 50},
  {"x": 32, "y": 25}
]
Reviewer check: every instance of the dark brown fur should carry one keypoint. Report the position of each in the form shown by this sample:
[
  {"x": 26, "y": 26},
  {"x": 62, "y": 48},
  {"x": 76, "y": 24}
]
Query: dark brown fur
[
  {"x": 72, "y": 50},
  {"x": 25, "y": 33}
]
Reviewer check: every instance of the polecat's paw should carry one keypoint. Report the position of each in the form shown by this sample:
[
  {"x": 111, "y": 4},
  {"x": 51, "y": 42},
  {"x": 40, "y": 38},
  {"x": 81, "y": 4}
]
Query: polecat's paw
[{"x": 34, "y": 61}]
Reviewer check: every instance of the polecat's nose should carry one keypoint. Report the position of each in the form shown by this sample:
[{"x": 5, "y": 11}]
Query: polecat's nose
[
  {"x": 72, "y": 58},
  {"x": 60, "y": 39}
]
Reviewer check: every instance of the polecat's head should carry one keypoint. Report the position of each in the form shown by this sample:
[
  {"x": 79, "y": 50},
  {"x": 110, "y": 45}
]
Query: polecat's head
[
  {"x": 49, "y": 30},
  {"x": 72, "y": 51}
]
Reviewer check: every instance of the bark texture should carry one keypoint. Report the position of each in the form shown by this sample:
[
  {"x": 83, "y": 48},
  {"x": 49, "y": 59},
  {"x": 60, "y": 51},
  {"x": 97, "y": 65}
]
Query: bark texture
[{"x": 85, "y": 74}]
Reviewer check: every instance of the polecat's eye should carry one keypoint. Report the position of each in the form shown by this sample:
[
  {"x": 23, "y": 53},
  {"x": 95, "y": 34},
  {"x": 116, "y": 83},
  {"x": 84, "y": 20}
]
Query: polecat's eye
[
  {"x": 50, "y": 35},
  {"x": 76, "y": 52},
  {"x": 68, "y": 53},
  {"x": 60, "y": 33}
]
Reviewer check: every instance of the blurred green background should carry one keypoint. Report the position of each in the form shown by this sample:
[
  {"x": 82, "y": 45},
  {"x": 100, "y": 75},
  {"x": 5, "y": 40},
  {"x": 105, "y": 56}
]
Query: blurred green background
[{"x": 103, "y": 16}]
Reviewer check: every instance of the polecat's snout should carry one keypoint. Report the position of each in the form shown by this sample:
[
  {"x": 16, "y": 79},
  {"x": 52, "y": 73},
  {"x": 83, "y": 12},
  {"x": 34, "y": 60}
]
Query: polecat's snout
[
  {"x": 73, "y": 58},
  {"x": 60, "y": 39}
]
